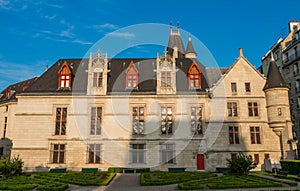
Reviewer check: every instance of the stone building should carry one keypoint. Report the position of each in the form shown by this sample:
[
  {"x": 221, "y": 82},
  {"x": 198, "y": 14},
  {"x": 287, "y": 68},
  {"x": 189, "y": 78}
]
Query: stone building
[
  {"x": 164, "y": 112},
  {"x": 287, "y": 53}
]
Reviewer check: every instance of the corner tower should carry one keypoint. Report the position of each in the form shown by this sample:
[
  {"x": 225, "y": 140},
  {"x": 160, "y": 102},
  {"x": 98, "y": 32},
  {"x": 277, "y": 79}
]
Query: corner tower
[{"x": 278, "y": 111}]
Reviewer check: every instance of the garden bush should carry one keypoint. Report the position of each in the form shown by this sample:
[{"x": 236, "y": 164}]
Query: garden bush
[
  {"x": 241, "y": 164},
  {"x": 11, "y": 166},
  {"x": 291, "y": 166}
]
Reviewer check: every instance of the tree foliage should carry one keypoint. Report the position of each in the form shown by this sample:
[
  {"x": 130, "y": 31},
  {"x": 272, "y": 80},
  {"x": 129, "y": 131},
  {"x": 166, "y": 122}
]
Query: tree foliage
[
  {"x": 241, "y": 164},
  {"x": 11, "y": 166}
]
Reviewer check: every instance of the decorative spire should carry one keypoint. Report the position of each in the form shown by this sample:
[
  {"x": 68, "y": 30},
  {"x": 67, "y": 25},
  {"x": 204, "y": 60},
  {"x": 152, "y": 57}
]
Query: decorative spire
[
  {"x": 178, "y": 25},
  {"x": 170, "y": 25}
]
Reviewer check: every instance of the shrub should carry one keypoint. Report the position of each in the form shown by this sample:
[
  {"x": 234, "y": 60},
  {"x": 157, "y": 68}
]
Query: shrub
[
  {"x": 11, "y": 166},
  {"x": 291, "y": 166},
  {"x": 241, "y": 164}
]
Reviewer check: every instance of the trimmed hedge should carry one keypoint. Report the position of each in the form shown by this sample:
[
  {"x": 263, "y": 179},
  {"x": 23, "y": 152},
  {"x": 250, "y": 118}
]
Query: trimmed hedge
[
  {"x": 291, "y": 166},
  {"x": 121, "y": 169}
]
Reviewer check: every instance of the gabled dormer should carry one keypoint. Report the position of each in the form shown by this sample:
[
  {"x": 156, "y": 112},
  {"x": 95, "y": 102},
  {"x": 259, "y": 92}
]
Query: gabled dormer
[
  {"x": 64, "y": 77},
  {"x": 132, "y": 77},
  {"x": 166, "y": 74},
  {"x": 194, "y": 76},
  {"x": 97, "y": 74}
]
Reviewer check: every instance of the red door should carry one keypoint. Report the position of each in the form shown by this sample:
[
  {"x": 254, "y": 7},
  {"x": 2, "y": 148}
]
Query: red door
[{"x": 200, "y": 162}]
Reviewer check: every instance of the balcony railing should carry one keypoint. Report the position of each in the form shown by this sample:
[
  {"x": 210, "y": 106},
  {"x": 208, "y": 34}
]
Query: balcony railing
[{"x": 292, "y": 57}]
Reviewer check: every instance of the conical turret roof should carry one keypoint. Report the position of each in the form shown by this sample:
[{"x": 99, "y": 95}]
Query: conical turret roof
[
  {"x": 190, "y": 47},
  {"x": 274, "y": 78}
]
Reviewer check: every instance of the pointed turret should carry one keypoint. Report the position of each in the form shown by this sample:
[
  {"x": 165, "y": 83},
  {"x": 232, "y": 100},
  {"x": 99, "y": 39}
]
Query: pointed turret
[
  {"x": 278, "y": 110},
  {"x": 190, "y": 51},
  {"x": 175, "y": 42},
  {"x": 274, "y": 78}
]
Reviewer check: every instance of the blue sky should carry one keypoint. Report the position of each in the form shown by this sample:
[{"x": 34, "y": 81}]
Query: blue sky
[{"x": 36, "y": 33}]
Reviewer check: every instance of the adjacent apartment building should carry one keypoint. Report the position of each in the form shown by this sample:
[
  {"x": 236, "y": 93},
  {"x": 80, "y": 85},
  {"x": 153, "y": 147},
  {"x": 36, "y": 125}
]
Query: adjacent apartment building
[
  {"x": 163, "y": 112},
  {"x": 287, "y": 55}
]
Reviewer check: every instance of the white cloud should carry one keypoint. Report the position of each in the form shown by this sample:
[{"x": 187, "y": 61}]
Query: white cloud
[
  {"x": 82, "y": 42},
  {"x": 50, "y": 17},
  {"x": 4, "y": 4},
  {"x": 126, "y": 35},
  {"x": 68, "y": 31},
  {"x": 105, "y": 26}
]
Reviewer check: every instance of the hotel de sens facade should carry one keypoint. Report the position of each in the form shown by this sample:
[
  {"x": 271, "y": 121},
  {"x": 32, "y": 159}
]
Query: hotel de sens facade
[{"x": 158, "y": 113}]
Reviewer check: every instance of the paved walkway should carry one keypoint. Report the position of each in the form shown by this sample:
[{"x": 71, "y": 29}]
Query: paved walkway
[
  {"x": 124, "y": 182},
  {"x": 131, "y": 182}
]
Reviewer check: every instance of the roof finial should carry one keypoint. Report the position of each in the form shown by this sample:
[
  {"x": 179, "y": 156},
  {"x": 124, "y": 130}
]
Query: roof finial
[
  {"x": 272, "y": 57},
  {"x": 190, "y": 39},
  {"x": 99, "y": 53},
  {"x": 171, "y": 25},
  {"x": 178, "y": 24},
  {"x": 241, "y": 52}
]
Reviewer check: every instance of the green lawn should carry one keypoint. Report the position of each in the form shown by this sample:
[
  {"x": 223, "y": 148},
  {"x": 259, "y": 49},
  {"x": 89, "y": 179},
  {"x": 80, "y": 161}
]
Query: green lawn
[
  {"x": 54, "y": 181},
  {"x": 201, "y": 180}
]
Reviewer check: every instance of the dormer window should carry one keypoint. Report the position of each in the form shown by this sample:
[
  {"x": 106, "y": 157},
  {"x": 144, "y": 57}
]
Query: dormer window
[
  {"x": 7, "y": 92},
  {"x": 165, "y": 79},
  {"x": 64, "y": 76},
  {"x": 131, "y": 76},
  {"x": 97, "y": 79},
  {"x": 194, "y": 77}
]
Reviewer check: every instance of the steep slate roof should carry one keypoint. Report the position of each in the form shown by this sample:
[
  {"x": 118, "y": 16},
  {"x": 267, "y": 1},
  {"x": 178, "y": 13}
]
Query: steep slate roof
[
  {"x": 15, "y": 89},
  {"x": 274, "y": 78},
  {"x": 117, "y": 75},
  {"x": 48, "y": 82}
]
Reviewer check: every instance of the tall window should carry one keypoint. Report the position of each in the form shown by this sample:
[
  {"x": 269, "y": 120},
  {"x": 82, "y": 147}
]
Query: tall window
[
  {"x": 96, "y": 120},
  {"x": 97, "y": 79},
  {"x": 234, "y": 137},
  {"x": 233, "y": 87},
  {"x": 194, "y": 76},
  {"x": 61, "y": 120},
  {"x": 165, "y": 79},
  {"x": 196, "y": 120},
  {"x": 166, "y": 120},
  {"x": 94, "y": 153},
  {"x": 138, "y": 120},
  {"x": 131, "y": 76},
  {"x": 5, "y": 126},
  {"x": 232, "y": 109},
  {"x": 138, "y": 153},
  {"x": 247, "y": 87},
  {"x": 255, "y": 135},
  {"x": 64, "y": 76},
  {"x": 167, "y": 153},
  {"x": 252, "y": 109},
  {"x": 58, "y": 153}
]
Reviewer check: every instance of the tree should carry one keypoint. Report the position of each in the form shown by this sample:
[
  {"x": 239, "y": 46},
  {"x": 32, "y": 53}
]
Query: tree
[{"x": 241, "y": 164}]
